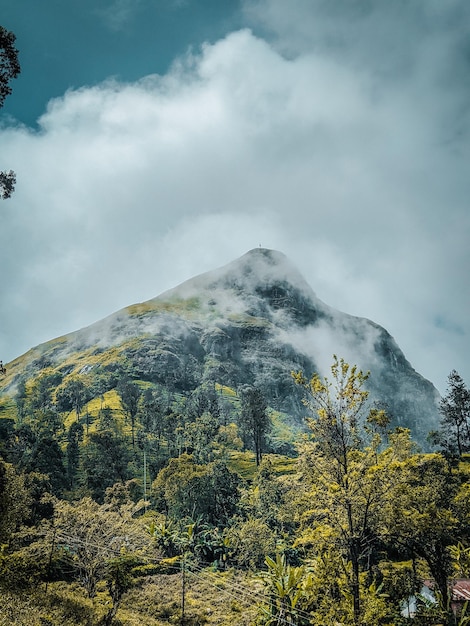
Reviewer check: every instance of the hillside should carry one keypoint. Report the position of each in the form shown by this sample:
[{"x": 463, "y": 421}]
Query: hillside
[
  {"x": 250, "y": 322},
  {"x": 152, "y": 472}
]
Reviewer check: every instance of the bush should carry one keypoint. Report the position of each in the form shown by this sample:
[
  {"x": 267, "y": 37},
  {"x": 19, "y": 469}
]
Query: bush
[
  {"x": 19, "y": 571},
  {"x": 250, "y": 542}
]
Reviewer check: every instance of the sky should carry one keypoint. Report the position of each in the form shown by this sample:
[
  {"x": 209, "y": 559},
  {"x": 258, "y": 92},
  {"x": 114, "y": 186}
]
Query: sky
[{"x": 157, "y": 139}]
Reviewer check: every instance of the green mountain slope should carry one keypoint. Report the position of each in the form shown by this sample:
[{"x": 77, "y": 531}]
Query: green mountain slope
[{"x": 249, "y": 323}]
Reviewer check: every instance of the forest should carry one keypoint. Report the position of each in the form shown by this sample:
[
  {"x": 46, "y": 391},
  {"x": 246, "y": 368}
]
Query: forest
[{"x": 122, "y": 503}]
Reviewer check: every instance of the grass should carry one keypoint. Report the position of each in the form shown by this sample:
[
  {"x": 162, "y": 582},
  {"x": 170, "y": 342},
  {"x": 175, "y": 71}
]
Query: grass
[
  {"x": 61, "y": 605},
  {"x": 283, "y": 465},
  {"x": 92, "y": 358},
  {"x": 225, "y": 391},
  {"x": 7, "y": 408},
  {"x": 177, "y": 305},
  {"x": 244, "y": 464},
  {"x": 222, "y": 598},
  {"x": 110, "y": 400}
]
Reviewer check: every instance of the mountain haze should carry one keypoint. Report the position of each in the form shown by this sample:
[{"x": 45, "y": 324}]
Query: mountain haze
[{"x": 252, "y": 321}]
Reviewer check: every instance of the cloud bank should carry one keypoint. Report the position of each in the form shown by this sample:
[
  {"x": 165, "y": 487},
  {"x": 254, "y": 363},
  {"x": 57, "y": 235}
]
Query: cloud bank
[{"x": 336, "y": 135}]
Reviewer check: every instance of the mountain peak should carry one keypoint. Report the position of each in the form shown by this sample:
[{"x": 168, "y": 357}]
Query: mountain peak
[
  {"x": 252, "y": 321},
  {"x": 267, "y": 265},
  {"x": 264, "y": 259},
  {"x": 253, "y": 273},
  {"x": 272, "y": 257}
]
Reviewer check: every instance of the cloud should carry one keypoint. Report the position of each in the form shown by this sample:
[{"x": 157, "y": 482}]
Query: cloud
[
  {"x": 128, "y": 189},
  {"x": 119, "y": 13}
]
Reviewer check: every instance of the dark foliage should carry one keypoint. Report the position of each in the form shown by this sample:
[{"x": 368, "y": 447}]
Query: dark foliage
[{"x": 9, "y": 69}]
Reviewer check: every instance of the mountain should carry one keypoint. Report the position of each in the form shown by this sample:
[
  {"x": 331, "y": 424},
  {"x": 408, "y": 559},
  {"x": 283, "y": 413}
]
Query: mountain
[{"x": 252, "y": 321}]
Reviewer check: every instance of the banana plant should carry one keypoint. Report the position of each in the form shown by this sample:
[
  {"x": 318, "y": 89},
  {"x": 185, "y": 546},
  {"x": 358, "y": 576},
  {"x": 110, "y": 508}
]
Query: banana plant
[{"x": 284, "y": 586}]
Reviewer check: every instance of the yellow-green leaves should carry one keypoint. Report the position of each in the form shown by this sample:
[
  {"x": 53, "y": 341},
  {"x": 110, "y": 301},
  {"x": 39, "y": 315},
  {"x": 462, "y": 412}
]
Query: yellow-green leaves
[{"x": 347, "y": 477}]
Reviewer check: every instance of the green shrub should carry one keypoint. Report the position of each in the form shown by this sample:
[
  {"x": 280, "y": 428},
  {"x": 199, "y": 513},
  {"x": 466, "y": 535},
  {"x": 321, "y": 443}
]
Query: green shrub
[{"x": 19, "y": 571}]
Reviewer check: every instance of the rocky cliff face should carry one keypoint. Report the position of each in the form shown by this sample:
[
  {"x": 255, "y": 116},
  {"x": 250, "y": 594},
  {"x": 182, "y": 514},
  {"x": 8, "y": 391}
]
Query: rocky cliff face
[{"x": 251, "y": 322}]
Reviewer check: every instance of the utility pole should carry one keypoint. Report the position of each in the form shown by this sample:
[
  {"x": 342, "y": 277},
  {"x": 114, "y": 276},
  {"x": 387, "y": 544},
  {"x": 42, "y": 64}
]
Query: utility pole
[
  {"x": 183, "y": 586},
  {"x": 145, "y": 480}
]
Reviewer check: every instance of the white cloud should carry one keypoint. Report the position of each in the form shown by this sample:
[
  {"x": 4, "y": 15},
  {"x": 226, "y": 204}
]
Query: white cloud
[{"x": 128, "y": 189}]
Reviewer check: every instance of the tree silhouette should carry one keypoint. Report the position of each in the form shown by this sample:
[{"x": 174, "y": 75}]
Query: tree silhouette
[{"x": 9, "y": 69}]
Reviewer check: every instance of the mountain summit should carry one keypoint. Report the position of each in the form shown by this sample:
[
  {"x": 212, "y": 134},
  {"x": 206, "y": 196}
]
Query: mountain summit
[{"x": 252, "y": 321}]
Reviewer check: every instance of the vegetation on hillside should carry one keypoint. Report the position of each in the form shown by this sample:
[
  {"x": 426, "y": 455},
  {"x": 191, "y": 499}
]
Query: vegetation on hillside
[{"x": 123, "y": 503}]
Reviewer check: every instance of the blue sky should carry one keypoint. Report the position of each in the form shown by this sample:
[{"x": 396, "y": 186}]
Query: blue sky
[
  {"x": 157, "y": 139},
  {"x": 70, "y": 44}
]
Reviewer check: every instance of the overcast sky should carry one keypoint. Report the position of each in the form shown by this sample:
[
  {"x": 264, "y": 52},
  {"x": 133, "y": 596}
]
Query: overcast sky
[{"x": 157, "y": 139}]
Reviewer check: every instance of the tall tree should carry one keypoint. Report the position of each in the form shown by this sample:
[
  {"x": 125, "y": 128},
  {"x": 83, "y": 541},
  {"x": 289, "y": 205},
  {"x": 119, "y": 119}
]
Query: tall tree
[
  {"x": 74, "y": 438},
  {"x": 105, "y": 461},
  {"x": 9, "y": 69},
  {"x": 73, "y": 394},
  {"x": 42, "y": 390},
  {"x": 182, "y": 488},
  {"x": 455, "y": 411},
  {"x": 200, "y": 434},
  {"x": 254, "y": 419},
  {"x": 347, "y": 478},
  {"x": 186, "y": 489},
  {"x": 423, "y": 516},
  {"x": 47, "y": 458},
  {"x": 268, "y": 494},
  {"x": 129, "y": 393},
  {"x": 20, "y": 399}
]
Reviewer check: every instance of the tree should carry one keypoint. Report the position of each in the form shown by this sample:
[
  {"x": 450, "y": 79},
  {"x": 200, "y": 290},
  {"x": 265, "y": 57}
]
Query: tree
[
  {"x": 202, "y": 400},
  {"x": 182, "y": 488},
  {"x": 9, "y": 69},
  {"x": 105, "y": 461},
  {"x": 226, "y": 440},
  {"x": 254, "y": 419},
  {"x": 225, "y": 488},
  {"x": 42, "y": 390},
  {"x": 188, "y": 490},
  {"x": 73, "y": 394},
  {"x": 250, "y": 541},
  {"x": 92, "y": 538},
  {"x": 41, "y": 499},
  {"x": 22, "y": 445},
  {"x": 47, "y": 458},
  {"x": 14, "y": 501},
  {"x": 38, "y": 433},
  {"x": 74, "y": 438},
  {"x": 455, "y": 411},
  {"x": 129, "y": 393},
  {"x": 7, "y": 438},
  {"x": 347, "y": 478},
  {"x": 423, "y": 515},
  {"x": 200, "y": 435},
  {"x": 268, "y": 494},
  {"x": 119, "y": 579}
]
